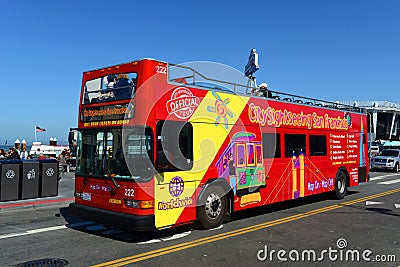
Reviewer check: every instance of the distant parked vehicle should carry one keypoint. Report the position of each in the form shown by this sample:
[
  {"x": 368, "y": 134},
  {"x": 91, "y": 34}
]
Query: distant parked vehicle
[
  {"x": 388, "y": 159},
  {"x": 374, "y": 148}
]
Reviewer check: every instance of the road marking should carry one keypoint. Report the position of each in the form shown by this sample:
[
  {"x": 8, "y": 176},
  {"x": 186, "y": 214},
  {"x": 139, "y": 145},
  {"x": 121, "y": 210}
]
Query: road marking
[
  {"x": 381, "y": 177},
  {"x": 372, "y": 203},
  {"x": 390, "y": 182},
  {"x": 397, "y": 206},
  {"x": 177, "y": 236},
  {"x": 173, "y": 237},
  {"x": 237, "y": 232},
  {"x": 35, "y": 231},
  {"x": 42, "y": 230},
  {"x": 216, "y": 228}
]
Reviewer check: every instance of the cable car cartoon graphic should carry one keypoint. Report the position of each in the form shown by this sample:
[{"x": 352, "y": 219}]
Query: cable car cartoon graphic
[{"x": 242, "y": 165}]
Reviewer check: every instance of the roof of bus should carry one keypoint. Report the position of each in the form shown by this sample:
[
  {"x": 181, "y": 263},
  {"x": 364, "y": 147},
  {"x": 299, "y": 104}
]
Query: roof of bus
[{"x": 129, "y": 62}]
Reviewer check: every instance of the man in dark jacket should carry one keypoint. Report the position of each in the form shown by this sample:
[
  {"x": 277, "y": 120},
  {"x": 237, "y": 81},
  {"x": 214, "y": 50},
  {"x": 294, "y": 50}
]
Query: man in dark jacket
[{"x": 122, "y": 88}]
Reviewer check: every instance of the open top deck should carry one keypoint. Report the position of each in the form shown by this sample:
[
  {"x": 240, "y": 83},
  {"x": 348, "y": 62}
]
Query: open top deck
[{"x": 185, "y": 75}]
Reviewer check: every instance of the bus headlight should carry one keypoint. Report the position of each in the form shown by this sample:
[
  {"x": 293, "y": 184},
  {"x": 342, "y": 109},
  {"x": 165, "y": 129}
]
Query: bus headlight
[
  {"x": 142, "y": 204},
  {"x": 131, "y": 203}
]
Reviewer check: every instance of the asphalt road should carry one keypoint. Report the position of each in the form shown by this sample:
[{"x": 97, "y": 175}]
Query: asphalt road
[{"x": 362, "y": 229}]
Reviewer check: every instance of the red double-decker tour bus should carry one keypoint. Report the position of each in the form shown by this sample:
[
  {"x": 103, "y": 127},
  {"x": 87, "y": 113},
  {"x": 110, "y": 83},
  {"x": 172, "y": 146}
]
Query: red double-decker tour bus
[{"x": 161, "y": 145}]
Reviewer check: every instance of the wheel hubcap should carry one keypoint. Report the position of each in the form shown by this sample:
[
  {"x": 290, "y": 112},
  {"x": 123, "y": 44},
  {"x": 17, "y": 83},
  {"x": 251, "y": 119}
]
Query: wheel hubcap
[
  {"x": 213, "y": 206},
  {"x": 341, "y": 186}
]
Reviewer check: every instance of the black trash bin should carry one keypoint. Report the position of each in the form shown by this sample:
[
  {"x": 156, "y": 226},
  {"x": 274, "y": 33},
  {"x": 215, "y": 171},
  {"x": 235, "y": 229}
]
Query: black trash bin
[
  {"x": 9, "y": 179},
  {"x": 29, "y": 183},
  {"x": 48, "y": 185}
]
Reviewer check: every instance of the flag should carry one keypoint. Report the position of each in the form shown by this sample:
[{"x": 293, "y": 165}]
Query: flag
[{"x": 38, "y": 129}]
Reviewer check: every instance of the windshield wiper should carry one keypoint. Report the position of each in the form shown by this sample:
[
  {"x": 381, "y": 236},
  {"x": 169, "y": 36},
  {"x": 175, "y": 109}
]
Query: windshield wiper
[
  {"x": 107, "y": 169},
  {"x": 114, "y": 182}
]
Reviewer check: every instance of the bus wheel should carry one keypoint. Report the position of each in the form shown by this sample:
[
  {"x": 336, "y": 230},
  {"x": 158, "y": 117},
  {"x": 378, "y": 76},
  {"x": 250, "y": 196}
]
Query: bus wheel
[
  {"x": 213, "y": 207},
  {"x": 341, "y": 185}
]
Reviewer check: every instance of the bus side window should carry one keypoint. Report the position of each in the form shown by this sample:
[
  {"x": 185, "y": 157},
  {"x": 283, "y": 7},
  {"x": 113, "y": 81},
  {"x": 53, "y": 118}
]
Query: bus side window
[
  {"x": 317, "y": 145},
  {"x": 174, "y": 145},
  {"x": 295, "y": 143},
  {"x": 271, "y": 143}
]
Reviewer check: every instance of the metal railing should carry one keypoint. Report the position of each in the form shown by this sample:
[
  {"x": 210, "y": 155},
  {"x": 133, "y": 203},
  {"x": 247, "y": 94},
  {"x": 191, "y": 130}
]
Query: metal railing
[{"x": 196, "y": 79}]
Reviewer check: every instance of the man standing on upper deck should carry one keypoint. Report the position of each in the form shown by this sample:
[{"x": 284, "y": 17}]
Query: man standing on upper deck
[{"x": 264, "y": 90}]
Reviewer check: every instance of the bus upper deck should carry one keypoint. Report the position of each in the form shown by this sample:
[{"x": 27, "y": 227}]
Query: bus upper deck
[{"x": 97, "y": 88}]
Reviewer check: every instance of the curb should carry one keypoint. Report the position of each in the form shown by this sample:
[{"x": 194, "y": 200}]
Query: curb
[{"x": 35, "y": 203}]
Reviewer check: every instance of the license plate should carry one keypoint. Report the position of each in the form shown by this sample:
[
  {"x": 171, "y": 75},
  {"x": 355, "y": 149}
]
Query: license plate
[{"x": 87, "y": 196}]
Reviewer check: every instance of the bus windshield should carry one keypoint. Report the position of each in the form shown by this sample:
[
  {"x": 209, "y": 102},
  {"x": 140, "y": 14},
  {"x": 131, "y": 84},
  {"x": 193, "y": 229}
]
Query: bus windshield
[
  {"x": 110, "y": 88},
  {"x": 108, "y": 153}
]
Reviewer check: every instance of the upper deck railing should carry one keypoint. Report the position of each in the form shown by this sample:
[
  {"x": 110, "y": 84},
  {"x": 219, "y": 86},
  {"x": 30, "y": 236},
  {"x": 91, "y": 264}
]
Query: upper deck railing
[{"x": 184, "y": 75}]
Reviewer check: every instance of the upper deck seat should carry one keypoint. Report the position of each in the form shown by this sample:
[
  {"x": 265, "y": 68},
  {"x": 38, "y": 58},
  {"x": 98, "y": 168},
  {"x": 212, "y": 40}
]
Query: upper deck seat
[{"x": 114, "y": 94}]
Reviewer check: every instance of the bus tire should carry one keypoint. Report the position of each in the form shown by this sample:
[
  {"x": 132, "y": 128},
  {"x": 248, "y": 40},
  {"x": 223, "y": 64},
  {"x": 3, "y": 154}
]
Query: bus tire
[
  {"x": 340, "y": 185},
  {"x": 212, "y": 207}
]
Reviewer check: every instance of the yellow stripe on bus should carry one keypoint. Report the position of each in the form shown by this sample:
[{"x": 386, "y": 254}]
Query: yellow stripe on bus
[{"x": 212, "y": 122}]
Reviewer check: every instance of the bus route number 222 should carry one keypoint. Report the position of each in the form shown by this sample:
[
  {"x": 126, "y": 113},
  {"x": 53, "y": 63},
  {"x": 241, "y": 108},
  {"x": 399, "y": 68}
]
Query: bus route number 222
[
  {"x": 161, "y": 69},
  {"x": 129, "y": 192}
]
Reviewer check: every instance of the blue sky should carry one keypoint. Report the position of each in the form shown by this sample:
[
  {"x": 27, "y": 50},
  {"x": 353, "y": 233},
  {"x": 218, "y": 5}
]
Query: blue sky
[{"x": 331, "y": 50}]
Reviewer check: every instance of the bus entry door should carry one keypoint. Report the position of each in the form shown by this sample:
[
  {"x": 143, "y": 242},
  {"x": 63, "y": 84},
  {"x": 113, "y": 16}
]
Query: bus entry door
[{"x": 175, "y": 200}]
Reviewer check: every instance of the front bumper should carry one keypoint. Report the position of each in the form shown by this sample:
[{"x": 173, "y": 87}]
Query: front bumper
[{"x": 127, "y": 222}]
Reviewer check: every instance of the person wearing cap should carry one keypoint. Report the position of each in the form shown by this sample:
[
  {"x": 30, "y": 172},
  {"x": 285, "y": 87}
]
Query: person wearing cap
[{"x": 264, "y": 90}]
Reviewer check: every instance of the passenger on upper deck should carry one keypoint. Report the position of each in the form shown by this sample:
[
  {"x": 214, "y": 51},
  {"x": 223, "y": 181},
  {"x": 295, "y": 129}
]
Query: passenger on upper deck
[
  {"x": 123, "y": 86},
  {"x": 111, "y": 81},
  {"x": 122, "y": 81},
  {"x": 117, "y": 87},
  {"x": 264, "y": 90}
]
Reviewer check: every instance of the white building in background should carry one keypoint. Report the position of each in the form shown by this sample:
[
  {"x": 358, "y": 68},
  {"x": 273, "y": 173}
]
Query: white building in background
[
  {"x": 383, "y": 119},
  {"x": 52, "y": 150}
]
